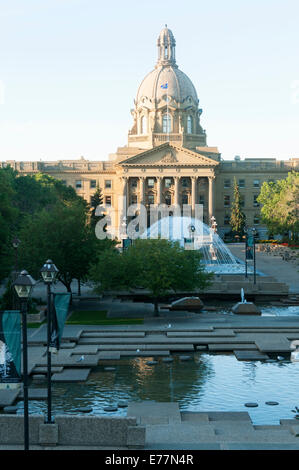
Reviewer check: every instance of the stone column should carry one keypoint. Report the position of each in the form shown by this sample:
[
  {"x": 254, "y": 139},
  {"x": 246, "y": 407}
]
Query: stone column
[
  {"x": 176, "y": 190},
  {"x": 122, "y": 207},
  {"x": 211, "y": 196},
  {"x": 141, "y": 189},
  {"x": 193, "y": 193},
  {"x": 159, "y": 187}
]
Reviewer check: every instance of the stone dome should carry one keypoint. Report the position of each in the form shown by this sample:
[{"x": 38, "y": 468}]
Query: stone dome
[
  {"x": 180, "y": 88},
  {"x": 166, "y": 104}
]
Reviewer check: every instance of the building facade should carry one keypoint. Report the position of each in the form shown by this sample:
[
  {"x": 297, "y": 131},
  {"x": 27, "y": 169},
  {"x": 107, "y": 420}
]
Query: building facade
[{"x": 167, "y": 159}]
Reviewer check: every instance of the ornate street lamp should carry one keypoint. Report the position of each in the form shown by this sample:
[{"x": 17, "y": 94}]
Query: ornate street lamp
[
  {"x": 23, "y": 286},
  {"x": 49, "y": 274}
]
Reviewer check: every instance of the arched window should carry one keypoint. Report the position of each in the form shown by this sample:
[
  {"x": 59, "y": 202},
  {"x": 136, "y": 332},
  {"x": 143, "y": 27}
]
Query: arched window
[
  {"x": 189, "y": 125},
  {"x": 143, "y": 125},
  {"x": 166, "y": 123},
  {"x": 166, "y": 52}
]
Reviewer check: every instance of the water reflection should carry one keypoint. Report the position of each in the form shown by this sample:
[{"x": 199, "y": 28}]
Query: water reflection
[{"x": 207, "y": 382}]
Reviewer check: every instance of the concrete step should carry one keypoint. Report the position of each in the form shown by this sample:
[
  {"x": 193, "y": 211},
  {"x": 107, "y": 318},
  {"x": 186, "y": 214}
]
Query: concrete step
[
  {"x": 109, "y": 334},
  {"x": 212, "y": 334},
  {"x": 194, "y": 417},
  {"x": 232, "y": 346},
  {"x": 250, "y": 355},
  {"x": 182, "y": 432},
  {"x": 155, "y": 409},
  {"x": 145, "y": 347},
  {"x": 146, "y": 353},
  {"x": 232, "y": 416}
]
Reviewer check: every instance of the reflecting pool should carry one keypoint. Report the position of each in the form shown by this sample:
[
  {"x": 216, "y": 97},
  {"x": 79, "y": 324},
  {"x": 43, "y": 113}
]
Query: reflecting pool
[{"x": 207, "y": 382}]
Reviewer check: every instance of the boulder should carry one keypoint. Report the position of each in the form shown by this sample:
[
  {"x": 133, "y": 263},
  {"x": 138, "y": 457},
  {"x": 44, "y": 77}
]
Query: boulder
[{"x": 246, "y": 308}]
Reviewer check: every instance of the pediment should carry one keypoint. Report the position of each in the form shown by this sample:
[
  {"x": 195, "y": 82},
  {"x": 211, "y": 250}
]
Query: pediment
[{"x": 168, "y": 155}]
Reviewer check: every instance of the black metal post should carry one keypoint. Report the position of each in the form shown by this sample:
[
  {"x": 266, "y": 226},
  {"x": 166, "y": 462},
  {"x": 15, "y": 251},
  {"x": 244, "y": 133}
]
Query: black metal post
[
  {"x": 254, "y": 262},
  {"x": 25, "y": 374},
  {"x": 49, "y": 322},
  {"x": 246, "y": 252}
]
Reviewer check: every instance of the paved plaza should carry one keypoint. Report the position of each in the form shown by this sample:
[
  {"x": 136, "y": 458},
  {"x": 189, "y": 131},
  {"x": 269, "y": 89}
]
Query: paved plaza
[
  {"x": 271, "y": 265},
  {"x": 247, "y": 337}
]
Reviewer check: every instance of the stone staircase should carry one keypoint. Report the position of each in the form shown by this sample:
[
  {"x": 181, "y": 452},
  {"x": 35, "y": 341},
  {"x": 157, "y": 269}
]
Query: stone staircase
[{"x": 168, "y": 428}]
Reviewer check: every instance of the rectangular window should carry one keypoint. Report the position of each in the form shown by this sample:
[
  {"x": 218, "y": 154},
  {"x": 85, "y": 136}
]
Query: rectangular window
[
  {"x": 150, "y": 182},
  {"x": 168, "y": 182},
  {"x": 256, "y": 219},
  {"x": 256, "y": 183},
  {"x": 255, "y": 202},
  {"x": 227, "y": 183},
  {"x": 185, "y": 182},
  {"x": 134, "y": 183},
  {"x": 134, "y": 199},
  {"x": 226, "y": 219},
  {"x": 202, "y": 199},
  {"x": 63, "y": 182},
  {"x": 242, "y": 200},
  {"x": 185, "y": 199},
  {"x": 78, "y": 184},
  {"x": 226, "y": 200},
  {"x": 151, "y": 199},
  {"x": 107, "y": 200},
  {"x": 93, "y": 184},
  {"x": 108, "y": 184},
  {"x": 241, "y": 183}
]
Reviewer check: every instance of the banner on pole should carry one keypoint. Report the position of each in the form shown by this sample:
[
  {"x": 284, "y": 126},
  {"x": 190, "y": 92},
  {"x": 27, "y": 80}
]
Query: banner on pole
[
  {"x": 61, "y": 308},
  {"x": 10, "y": 349},
  {"x": 249, "y": 247}
]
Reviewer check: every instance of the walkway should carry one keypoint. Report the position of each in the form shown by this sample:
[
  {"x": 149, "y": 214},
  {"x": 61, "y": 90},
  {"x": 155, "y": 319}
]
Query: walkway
[{"x": 275, "y": 266}]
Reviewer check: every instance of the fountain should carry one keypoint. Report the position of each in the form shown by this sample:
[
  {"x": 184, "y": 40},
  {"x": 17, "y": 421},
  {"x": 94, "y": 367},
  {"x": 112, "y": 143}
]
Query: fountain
[
  {"x": 194, "y": 234},
  {"x": 244, "y": 307}
]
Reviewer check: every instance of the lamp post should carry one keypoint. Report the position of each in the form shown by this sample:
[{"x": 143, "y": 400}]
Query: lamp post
[
  {"x": 246, "y": 250},
  {"x": 15, "y": 244},
  {"x": 49, "y": 273},
  {"x": 254, "y": 260},
  {"x": 23, "y": 286}
]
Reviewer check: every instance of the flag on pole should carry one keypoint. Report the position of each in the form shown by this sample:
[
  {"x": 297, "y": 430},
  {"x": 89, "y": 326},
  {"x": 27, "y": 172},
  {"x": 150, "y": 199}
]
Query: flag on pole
[
  {"x": 61, "y": 308},
  {"x": 164, "y": 86},
  {"x": 10, "y": 349}
]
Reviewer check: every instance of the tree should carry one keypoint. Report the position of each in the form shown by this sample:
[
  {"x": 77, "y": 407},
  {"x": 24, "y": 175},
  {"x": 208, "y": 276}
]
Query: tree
[
  {"x": 237, "y": 217},
  {"x": 8, "y": 216},
  {"x": 280, "y": 205},
  {"x": 159, "y": 266},
  {"x": 96, "y": 200},
  {"x": 62, "y": 235}
]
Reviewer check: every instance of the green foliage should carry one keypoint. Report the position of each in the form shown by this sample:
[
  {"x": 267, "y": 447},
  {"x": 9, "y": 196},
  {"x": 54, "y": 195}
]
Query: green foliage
[
  {"x": 8, "y": 216},
  {"x": 237, "y": 218},
  {"x": 50, "y": 220},
  {"x": 99, "y": 317},
  {"x": 159, "y": 266},
  {"x": 280, "y": 205},
  {"x": 62, "y": 235},
  {"x": 96, "y": 200}
]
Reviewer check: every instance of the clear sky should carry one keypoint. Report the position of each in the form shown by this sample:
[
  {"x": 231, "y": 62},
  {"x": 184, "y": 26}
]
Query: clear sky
[{"x": 70, "y": 69}]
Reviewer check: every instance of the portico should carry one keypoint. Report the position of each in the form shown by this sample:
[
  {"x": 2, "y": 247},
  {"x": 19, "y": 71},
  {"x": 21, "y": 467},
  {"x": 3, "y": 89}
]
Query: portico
[{"x": 168, "y": 175}]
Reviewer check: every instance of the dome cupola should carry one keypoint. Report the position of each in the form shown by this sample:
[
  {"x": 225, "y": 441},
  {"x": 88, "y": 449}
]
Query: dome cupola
[
  {"x": 166, "y": 104},
  {"x": 166, "y": 47}
]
